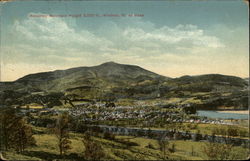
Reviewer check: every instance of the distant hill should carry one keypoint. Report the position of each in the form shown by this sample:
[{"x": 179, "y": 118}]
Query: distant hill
[
  {"x": 106, "y": 75},
  {"x": 209, "y": 82},
  {"x": 116, "y": 81},
  {"x": 246, "y": 79}
]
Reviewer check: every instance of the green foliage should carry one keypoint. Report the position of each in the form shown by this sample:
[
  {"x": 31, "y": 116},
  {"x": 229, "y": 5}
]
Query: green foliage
[
  {"x": 163, "y": 143},
  {"x": 192, "y": 150},
  {"x": 15, "y": 133},
  {"x": 112, "y": 81},
  {"x": 230, "y": 131},
  {"x": 189, "y": 109},
  {"x": 46, "y": 149},
  {"x": 62, "y": 133},
  {"x": 243, "y": 133},
  {"x": 150, "y": 146},
  {"x": 93, "y": 150},
  {"x": 217, "y": 151},
  {"x": 44, "y": 121},
  {"x": 109, "y": 136},
  {"x": 22, "y": 136},
  {"x": 172, "y": 149},
  {"x": 11, "y": 97},
  {"x": 191, "y": 126}
]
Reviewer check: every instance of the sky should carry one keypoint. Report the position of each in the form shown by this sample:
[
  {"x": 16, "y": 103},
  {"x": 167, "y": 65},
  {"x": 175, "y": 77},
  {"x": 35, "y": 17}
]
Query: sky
[{"x": 171, "y": 38}]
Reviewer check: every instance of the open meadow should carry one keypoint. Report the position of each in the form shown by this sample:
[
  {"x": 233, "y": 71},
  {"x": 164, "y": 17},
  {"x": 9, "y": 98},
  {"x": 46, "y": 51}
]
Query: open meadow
[{"x": 119, "y": 148}]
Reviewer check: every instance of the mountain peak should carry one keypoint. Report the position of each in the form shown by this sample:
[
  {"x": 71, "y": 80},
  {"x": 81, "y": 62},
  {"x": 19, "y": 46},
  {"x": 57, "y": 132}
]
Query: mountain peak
[{"x": 109, "y": 63}]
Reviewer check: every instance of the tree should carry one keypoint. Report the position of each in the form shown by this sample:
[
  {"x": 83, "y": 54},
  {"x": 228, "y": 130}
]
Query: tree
[
  {"x": 192, "y": 150},
  {"x": 216, "y": 151},
  {"x": 53, "y": 99},
  {"x": 62, "y": 133},
  {"x": 15, "y": 132},
  {"x": 22, "y": 136},
  {"x": 109, "y": 136},
  {"x": 164, "y": 147},
  {"x": 7, "y": 120},
  {"x": 190, "y": 109},
  {"x": 10, "y": 97},
  {"x": 150, "y": 146},
  {"x": 93, "y": 150},
  {"x": 231, "y": 131},
  {"x": 172, "y": 149}
]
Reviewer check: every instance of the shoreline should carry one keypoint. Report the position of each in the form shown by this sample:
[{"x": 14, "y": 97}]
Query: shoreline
[{"x": 235, "y": 111}]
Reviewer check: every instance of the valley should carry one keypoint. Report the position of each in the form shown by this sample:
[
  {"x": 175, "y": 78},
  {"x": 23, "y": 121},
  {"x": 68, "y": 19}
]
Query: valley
[{"x": 112, "y": 101}]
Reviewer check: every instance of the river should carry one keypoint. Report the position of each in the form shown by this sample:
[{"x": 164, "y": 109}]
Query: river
[{"x": 219, "y": 115}]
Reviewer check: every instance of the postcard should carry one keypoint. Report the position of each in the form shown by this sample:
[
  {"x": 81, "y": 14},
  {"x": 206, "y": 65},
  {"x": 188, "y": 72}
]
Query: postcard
[{"x": 124, "y": 80}]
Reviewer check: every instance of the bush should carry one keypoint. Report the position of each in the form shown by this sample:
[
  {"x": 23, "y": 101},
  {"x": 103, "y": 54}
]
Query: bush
[
  {"x": 93, "y": 150},
  {"x": 150, "y": 146},
  {"x": 127, "y": 143},
  {"x": 189, "y": 110},
  {"x": 109, "y": 136},
  {"x": 243, "y": 133},
  {"x": 232, "y": 131},
  {"x": 219, "y": 131},
  {"x": 172, "y": 149},
  {"x": 216, "y": 151}
]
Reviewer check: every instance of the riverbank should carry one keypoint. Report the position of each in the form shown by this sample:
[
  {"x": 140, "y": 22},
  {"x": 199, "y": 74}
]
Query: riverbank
[{"x": 236, "y": 111}]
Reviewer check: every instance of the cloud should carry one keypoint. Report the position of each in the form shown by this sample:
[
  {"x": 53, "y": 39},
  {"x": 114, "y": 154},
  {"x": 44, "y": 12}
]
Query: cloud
[
  {"x": 178, "y": 35},
  {"x": 55, "y": 32},
  {"x": 56, "y": 43}
]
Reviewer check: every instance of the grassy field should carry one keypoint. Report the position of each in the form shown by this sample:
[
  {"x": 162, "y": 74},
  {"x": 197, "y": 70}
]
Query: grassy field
[
  {"x": 122, "y": 148},
  {"x": 241, "y": 123},
  {"x": 207, "y": 128}
]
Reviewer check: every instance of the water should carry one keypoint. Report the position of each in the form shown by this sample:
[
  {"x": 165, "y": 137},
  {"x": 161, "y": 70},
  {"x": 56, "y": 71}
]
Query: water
[{"x": 218, "y": 115}]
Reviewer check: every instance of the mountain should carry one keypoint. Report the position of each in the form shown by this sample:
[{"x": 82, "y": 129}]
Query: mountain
[
  {"x": 209, "y": 82},
  {"x": 106, "y": 75},
  {"x": 116, "y": 81},
  {"x": 246, "y": 79}
]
